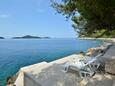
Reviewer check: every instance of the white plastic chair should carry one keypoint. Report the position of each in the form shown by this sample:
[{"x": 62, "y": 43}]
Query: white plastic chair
[{"x": 85, "y": 67}]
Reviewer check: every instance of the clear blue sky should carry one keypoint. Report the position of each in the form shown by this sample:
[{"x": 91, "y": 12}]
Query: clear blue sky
[{"x": 32, "y": 17}]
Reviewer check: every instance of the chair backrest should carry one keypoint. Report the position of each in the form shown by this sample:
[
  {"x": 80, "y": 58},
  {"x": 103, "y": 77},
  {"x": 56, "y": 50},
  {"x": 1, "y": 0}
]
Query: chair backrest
[{"x": 91, "y": 60}]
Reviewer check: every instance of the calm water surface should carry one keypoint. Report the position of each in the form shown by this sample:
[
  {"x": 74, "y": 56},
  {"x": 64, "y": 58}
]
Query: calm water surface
[{"x": 15, "y": 54}]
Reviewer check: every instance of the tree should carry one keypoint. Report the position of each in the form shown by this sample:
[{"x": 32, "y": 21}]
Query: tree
[{"x": 91, "y": 18}]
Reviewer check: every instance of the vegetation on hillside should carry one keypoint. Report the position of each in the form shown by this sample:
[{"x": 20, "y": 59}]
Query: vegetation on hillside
[{"x": 91, "y": 18}]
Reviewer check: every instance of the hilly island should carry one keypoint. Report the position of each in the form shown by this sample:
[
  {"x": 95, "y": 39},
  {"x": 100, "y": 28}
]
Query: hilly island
[
  {"x": 2, "y": 38},
  {"x": 30, "y": 37}
]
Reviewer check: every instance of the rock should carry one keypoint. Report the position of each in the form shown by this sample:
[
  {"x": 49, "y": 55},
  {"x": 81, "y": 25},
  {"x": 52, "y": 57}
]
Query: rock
[
  {"x": 11, "y": 80},
  {"x": 110, "y": 66},
  {"x": 90, "y": 52},
  {"x": 82, "y": 53},
  {"x": 93, "y": 52}
]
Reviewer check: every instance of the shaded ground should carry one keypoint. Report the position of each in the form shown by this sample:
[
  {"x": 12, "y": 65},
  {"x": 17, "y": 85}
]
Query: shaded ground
[{"x": 55, "y": 76}]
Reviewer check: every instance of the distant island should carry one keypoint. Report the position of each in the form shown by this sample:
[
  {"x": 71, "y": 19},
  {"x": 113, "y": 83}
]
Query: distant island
[
  {"x": 30, "y": 37},
  {"x": 2, "y": 38}
]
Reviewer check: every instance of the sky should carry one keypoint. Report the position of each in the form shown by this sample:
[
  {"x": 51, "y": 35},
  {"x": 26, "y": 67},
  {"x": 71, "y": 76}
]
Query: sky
[{"x": 32, "y": 17}]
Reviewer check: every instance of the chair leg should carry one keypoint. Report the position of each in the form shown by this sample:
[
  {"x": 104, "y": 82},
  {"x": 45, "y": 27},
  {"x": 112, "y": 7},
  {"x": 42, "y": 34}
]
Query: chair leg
[
  {"x": 86, "y": 74},
  {"x": 66, "y": 69}
]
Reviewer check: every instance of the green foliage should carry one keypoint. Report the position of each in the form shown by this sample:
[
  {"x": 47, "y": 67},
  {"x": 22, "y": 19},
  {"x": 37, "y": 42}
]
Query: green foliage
[{"x": 91, "y": 17}]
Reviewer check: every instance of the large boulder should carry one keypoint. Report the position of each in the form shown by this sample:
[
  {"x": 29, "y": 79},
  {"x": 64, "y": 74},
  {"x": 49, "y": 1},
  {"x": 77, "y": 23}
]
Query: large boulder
[
  {"x": 110, "y": 66},
  {"x": 109, "y": 58}
]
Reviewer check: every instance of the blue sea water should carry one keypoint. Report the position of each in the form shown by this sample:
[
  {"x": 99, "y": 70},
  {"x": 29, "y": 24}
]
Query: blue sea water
[{"x": 15, "y": 54}]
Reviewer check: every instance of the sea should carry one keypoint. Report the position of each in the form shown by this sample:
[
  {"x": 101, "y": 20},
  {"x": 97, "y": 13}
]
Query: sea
[{"x": 17, "y": 53}]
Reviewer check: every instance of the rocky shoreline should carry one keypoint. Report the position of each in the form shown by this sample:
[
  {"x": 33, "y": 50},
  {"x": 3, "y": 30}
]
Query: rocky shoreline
[
  {"x": 107, "y": 62},
  {"x": 104, "y": 39}
]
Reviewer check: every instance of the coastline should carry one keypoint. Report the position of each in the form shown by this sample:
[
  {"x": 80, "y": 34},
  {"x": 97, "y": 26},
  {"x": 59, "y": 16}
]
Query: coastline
[
  {"x": 34, "y": 69},
  {"x": 34, "y": 49},
  {"x": 104, "y": 39}
]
